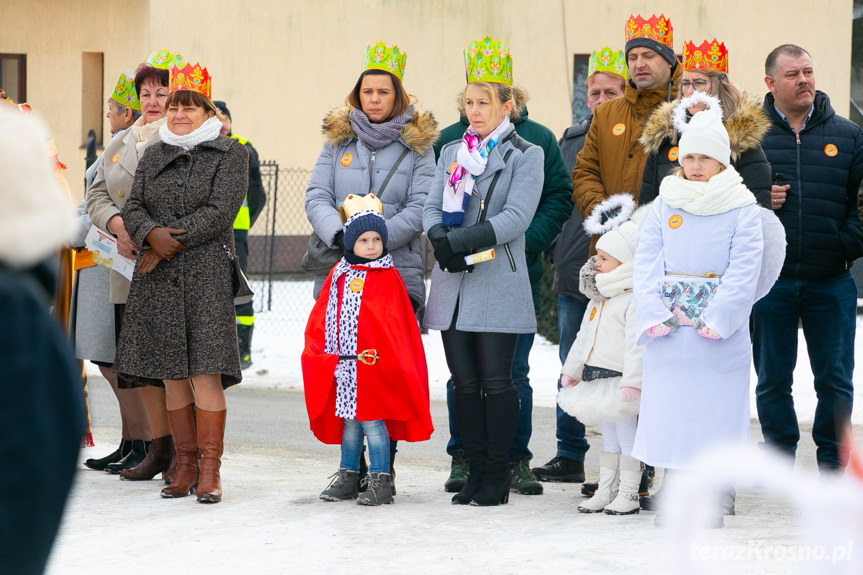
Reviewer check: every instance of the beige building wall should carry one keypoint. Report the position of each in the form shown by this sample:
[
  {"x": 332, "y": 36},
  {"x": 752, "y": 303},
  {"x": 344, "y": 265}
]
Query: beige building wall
[{"x": 282, "y": 64}]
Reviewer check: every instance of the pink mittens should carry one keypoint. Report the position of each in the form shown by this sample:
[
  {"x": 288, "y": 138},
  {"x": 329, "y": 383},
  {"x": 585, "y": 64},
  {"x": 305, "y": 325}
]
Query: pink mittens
[
  {"x": 658, "y": 331},
  {"x": 629, "y": 394},
  {"x": 704, "y": 331}
]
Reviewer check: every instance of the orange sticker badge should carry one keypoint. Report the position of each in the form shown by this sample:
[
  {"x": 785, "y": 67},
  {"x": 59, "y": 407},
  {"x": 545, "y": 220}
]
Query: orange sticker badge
[
  {"x": 675, "y": 221},
  {"x": 672, "y": 154},
  {"x": 592, "y": 313},
  {"x": 116, "y": 157},
  {"x": 452, "y": 167},
  {"x": 347, "y": 159},
  {"x": 618, "y": 129},
  {"x": 831, "y": 150},
  {"x": 356, "y": 285}
]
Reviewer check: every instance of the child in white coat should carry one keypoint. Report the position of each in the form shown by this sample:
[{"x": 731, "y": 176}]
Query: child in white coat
[{"x": 601, "y": 379}]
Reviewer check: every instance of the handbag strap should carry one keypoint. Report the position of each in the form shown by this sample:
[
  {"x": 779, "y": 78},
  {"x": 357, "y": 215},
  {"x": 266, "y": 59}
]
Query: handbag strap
[{"x": 392, "y": 171}]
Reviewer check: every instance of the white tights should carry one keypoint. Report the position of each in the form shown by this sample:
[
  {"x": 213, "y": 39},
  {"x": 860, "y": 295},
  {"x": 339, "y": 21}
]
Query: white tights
[{"x": 618, "y": 436}]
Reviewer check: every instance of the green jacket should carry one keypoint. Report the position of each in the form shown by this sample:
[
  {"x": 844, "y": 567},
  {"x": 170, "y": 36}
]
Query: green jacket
[{"x": 555, "y": 204}]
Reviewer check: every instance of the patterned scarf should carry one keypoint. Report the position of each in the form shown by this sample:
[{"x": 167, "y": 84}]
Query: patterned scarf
[
  {"x": 340, "y": 336},
  {"x": 377, "y": 136},
  {"x": 471, "y": 160}
]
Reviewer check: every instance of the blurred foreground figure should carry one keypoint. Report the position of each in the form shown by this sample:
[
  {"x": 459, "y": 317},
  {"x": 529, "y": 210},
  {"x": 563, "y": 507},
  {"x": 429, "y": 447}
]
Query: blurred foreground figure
[{"x": 41, "y": 411}]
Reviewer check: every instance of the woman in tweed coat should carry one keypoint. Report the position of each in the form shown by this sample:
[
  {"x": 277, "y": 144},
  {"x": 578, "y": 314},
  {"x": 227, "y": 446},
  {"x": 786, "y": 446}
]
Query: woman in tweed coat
[{"x": 179, "y": 328}]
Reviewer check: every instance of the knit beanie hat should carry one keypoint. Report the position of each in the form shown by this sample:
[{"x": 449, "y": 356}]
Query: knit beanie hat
[
  {"x": 704, "y": 133},
  {"x": 362, "y": 222},
  {"x": 666, "y": 52},
  {"x": 620, "y": 242}
]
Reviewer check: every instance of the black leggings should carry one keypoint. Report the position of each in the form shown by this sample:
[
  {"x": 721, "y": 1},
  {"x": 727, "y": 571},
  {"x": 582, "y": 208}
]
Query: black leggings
[{"x": 479, "y": 360}]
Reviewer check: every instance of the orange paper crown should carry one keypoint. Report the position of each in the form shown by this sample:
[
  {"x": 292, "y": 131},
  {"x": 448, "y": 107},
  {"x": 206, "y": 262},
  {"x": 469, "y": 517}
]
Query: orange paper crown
[
  {"x": 657, "y": 28},
  {"x": 707, "y": 56},
  {"x": 194, "y": 78}
]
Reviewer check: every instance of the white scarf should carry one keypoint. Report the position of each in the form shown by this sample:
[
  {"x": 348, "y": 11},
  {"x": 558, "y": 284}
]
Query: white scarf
[
  {"x": 722, "y": 193},
  {"x": 616, "y": 281},
  {"x": 142, "y": 131},
  {"x": 206, "y": 132}
]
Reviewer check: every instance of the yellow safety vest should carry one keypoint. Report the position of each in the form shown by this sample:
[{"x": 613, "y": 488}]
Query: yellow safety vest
[{"x": 243, "y": 221}]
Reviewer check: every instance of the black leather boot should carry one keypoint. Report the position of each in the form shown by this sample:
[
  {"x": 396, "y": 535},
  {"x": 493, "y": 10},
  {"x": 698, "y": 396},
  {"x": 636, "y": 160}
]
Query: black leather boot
[
  {"x": 393, "y": 450},
  {"x": 501, "y": 413},
  {"x": 470, "y": 410},
  {"x": 113, "y": 457},
  {"x": 134, "y": 457}
]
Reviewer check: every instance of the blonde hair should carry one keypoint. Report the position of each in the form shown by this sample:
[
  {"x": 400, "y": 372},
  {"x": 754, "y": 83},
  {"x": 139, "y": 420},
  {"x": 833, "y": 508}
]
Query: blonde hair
[
  {"x": 499, "y": 94},
  {"x": 723, "y": 88}
]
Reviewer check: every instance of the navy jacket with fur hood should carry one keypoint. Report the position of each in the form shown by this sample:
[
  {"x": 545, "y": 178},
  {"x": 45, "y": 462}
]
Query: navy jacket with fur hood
[{"x": 824, "y": 167}]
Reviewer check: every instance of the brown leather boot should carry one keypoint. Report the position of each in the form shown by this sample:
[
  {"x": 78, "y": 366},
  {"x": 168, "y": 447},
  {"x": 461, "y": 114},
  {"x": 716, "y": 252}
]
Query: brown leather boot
[
  {"x": 156, "y": 462},
  {"x": 186, "y": 443},
  {"x": 211, "y": 438},
  {"x": 168, "y": 474}
]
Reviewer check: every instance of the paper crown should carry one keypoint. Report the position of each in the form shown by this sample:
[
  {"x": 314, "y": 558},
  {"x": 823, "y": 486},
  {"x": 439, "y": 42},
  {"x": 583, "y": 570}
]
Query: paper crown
[
  {"x": 164, "y": 59},
  {"x": 354, "y": 203},
  {"x": 380, "y": 57},
  {"x": 125, "y": 94},
  {"x": 487, "y": 60},
  {"x": 707, "y": 56},
  {"x": 657, "y": 28},
  {"x": 608, "y": 60},
  {"x": 194, "y": 78}
]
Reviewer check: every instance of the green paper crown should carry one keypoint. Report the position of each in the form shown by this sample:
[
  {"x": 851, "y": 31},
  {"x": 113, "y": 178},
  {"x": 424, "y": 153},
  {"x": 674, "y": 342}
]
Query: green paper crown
[
  {"x": 608, "y": 60},
  {"x": 380, "y": 57},
  {"x": 125, "y": 94},
  {"x": 164, "y": 59},
  {"x": 487, "y": 60}
]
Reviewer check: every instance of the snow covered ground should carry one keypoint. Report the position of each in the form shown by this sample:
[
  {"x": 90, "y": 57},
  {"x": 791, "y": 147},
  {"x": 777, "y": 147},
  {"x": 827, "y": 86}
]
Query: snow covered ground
[{"x": 271, "y": 520}]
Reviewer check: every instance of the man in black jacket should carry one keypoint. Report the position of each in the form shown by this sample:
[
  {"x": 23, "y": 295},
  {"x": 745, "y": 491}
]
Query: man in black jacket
[{"x": 817, "y": 162}]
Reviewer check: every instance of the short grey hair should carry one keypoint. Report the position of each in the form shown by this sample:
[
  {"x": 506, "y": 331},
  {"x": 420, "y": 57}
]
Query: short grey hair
[
  {"x": 791, "y": 50},
  {"x": 120, "y": 109}
]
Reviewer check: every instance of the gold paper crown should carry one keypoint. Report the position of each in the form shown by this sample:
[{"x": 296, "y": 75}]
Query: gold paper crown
[
  {"x": 164, "y": 59},
  {"x": 380, "y": 57},
  {"x": 487, "y": 60},
  {"x": 194, "y": 78},
  {"x": 354, "y": 203},
  {"x": 657, "y": 28},
  {"x": 125, "y": 94},
  {"x": 608, "y": 60},
  {"x": 707, "y": 56}
]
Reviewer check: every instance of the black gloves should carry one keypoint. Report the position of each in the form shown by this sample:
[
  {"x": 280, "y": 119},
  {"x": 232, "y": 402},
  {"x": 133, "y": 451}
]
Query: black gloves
[{"x": 339, "y": 240}]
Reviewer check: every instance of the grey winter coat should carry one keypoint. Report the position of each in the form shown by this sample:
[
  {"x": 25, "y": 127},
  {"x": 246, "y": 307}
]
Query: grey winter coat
[
  {"x": 179, "y": 318},
  {"x": 346, "y": 166},
  {"x": 109, "y": 192},
  {"x": 496, "y": 295}
]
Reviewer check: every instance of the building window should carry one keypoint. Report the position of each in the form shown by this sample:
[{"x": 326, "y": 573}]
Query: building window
[
  {"x": 579, "y": 89},
  {"x": 92, "y": 96},
  {"x": 13, "y": 76}
]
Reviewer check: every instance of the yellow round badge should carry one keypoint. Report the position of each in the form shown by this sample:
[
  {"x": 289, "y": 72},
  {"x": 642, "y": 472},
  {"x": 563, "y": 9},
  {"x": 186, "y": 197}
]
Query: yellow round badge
[
  {"x": 672, "y": 154},
  {"x": 831, "y": 150},
  {"x": 347, "y": 159},
  {"x": 452, "y": 167},
  {"x": 675, "y": 221},
  {"x": 618, "y": 129},
  {"x": 592, "y": 313},
  {"x": 116, "y": 157},
  {"x": 356, "y": 284}
]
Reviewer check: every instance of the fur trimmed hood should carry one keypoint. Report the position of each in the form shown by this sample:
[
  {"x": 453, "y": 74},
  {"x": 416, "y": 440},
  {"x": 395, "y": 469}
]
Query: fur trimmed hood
[
  {"x": 746, "y": 127},
  {"x": 419, "y": 134}
]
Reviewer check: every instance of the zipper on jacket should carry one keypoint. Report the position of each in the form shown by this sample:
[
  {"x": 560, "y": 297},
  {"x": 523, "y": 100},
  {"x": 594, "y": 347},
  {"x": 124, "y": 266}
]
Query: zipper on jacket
[
  {"x": 509, "y": 255},
  {"x": 372, "y": 172},
  {"x": 799, "y": 209}
]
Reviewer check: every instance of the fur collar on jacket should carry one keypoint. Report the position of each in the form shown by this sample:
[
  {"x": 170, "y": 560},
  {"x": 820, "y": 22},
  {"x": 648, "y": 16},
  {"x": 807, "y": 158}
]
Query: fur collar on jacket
[
  {"x": 587, "y": 281},
  {"x": 746, "y": 127},
  {"x": 419, "y": 134}
]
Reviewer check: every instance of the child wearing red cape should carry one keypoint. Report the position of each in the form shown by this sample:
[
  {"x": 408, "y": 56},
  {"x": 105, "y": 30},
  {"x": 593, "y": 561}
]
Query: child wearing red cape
[{"x": 364, "y": 368}]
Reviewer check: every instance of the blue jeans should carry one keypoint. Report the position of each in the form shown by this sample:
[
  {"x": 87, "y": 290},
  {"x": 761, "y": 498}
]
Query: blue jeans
[
  {"x": 379, "y": 445},
  {"x": 826, "y": 309},
  {"x": 520, "y": 369},
  {"x": 570, "y": 431}
]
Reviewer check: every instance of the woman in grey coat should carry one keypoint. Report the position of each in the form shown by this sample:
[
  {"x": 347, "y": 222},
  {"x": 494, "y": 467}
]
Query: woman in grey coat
[
  {"x": 484, "y": 195},
  {"x": 179, "y": 329},
  {"x": 377, "y": 137}
]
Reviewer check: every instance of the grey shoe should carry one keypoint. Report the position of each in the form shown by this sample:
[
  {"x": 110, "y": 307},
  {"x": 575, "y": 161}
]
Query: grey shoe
[
  {"x": 342, "y": 487},
  {"x": 459, "y": 470},
  {"x": 380, "y": 490}
]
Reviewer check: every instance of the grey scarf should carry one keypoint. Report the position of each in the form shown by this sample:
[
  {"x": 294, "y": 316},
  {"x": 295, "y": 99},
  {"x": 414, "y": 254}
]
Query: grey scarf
[
  {"x": 587, "y": 281},
  {"x": 377, "y": 136}
]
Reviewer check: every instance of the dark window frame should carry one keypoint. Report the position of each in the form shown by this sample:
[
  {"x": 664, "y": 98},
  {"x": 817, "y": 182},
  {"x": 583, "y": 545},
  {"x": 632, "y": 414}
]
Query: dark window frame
[{"x": 22, "y": 75}]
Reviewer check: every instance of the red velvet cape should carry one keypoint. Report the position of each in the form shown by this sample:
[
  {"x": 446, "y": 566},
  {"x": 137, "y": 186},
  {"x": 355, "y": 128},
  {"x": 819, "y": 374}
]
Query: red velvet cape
[{"x": 395, "y": 388}]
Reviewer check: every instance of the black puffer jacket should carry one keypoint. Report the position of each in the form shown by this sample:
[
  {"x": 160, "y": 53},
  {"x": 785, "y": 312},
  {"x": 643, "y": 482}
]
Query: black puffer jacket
[
  {"x": 824, "y": 166},
  {"x": 746, "y": 127}
]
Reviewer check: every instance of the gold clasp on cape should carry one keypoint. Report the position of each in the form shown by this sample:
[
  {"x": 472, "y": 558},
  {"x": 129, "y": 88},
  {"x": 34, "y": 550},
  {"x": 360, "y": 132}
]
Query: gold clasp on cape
[{"x": 368, "y": 356}]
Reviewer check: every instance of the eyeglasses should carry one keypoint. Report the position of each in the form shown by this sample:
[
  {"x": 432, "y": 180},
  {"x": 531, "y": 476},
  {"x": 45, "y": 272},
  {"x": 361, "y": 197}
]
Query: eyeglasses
[{"x": 697, "y": 84}]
